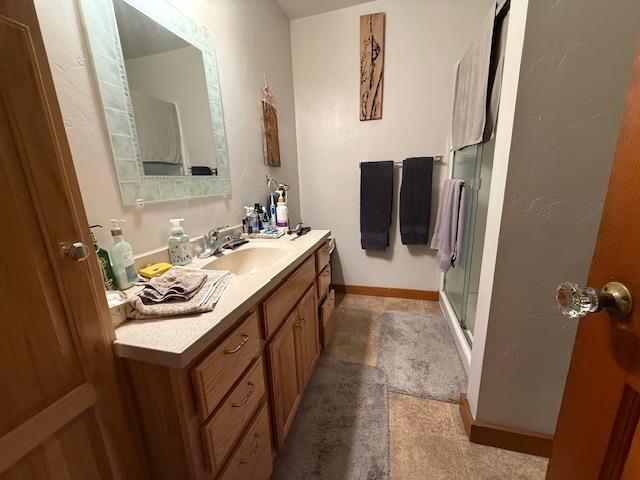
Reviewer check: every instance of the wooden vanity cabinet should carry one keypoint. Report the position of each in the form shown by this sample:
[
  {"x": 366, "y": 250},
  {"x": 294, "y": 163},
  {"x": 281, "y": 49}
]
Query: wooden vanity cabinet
[
  {"x": 307, "y": 338},
  {"x": 216, "y": 417},
  {"x": 293, "y": 354},
  {"x": 326, "y": 296},
  {"x": 253, "y": 458},
  {"x": 327, "y": 319},
  {"x": 285, "y": 377}
]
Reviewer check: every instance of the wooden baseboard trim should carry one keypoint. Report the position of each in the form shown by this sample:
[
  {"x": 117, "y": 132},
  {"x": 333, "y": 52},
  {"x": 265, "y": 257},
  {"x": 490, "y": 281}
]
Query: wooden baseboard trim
[
  {"x": 522, "y": 441},
  {"x": 388, "y": 292}
]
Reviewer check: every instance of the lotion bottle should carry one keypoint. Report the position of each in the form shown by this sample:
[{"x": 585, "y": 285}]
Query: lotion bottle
[
  {"x": 121, "y": 254},
  {"x": 282, "y": 213},
  {"x": 179, "y": 245}
]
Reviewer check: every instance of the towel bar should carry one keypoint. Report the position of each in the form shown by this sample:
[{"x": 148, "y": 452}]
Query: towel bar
[{"x": 437, "y": 160}]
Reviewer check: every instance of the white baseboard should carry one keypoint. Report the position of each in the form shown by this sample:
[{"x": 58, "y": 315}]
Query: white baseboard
[{"x": 464, "y": 350}]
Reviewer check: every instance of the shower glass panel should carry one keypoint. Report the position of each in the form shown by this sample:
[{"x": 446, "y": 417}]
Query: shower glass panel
[
  {"x": 474, "y": 165},
  {"x": 477, "y": 243},
  {"x": 464, "y": 166}
]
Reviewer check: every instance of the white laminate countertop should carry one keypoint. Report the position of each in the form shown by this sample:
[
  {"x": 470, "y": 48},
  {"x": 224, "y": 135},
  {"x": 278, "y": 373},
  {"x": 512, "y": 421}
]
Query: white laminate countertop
[{"x": 176, "y": 341}]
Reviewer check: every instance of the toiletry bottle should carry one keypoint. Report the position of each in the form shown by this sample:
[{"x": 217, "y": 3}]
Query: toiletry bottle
[
  {"x": 121, "y": 254},
  {"x": 179, "y": 245},
  {"x": 272, "y": 211},
  {"x": 258, "y": 224},
  {"x": 251, "y": 220},
  {"x": 282, "y": 213},
  {"x": 105, "y": 263}
]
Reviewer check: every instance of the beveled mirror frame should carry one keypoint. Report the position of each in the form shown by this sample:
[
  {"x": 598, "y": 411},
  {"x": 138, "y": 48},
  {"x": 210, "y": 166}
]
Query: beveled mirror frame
[{"x": 109, "y": 68}]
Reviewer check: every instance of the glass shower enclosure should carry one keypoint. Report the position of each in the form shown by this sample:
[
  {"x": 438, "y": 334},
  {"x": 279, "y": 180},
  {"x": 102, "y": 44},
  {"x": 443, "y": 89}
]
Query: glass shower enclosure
[{"x": 474, "y": 165}]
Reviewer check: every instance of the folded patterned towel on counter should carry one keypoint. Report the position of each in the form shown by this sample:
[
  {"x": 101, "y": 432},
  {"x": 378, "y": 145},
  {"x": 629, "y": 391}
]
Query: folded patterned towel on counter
[
  {"x": 203, "y": 292},
  {"x": 175, "y": 284}
]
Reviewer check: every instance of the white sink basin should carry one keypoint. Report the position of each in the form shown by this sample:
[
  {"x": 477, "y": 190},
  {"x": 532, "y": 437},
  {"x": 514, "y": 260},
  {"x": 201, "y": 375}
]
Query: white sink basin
[{"x": 248, "y": 260}]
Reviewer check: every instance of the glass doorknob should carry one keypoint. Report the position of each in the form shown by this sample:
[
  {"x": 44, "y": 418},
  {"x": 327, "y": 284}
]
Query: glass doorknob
[
  {"x": 576, "y": 301},
  {"x": 77, "y": 251}
]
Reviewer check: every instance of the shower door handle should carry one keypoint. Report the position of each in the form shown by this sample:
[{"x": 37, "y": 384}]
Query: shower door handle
[{"x": 576, "y": 301}]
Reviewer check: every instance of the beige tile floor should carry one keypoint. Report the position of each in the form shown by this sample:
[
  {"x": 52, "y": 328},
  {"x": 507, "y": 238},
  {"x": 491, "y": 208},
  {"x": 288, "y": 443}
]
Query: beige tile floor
[{"x": 427, "y": 439}]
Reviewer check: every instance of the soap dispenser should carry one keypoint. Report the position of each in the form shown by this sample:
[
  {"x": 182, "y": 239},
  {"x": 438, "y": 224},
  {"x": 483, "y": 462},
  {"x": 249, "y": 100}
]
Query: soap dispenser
[
  {"x": 121, "y": 254},
  {"x": 179, "y": 245}
]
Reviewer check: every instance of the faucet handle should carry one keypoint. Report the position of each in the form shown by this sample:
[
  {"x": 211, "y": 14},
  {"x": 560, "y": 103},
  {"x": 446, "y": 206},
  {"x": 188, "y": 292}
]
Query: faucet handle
[{"x": 214, "y": 232}]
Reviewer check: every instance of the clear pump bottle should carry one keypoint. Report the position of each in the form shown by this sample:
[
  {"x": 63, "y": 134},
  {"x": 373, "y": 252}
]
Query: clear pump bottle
[
  {"x": 179, "y": 245},
  {"x": 121, "y": 254}
]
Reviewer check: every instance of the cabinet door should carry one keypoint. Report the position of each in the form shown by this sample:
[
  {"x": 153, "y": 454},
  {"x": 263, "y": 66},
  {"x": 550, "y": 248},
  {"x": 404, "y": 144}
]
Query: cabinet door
[
  {"x": 286, "y": 385},
  {"x": 307, "y": 336}
]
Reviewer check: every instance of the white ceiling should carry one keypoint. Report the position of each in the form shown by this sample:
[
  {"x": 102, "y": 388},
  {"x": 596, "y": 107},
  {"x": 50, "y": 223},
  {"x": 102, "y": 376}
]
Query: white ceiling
[{"x": 305, "y": 8}]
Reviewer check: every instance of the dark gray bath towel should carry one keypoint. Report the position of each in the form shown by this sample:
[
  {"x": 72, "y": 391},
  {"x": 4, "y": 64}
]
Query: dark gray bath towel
[
  {"x": 415, "y": 200},
  {"x": 376, "y": 201}
]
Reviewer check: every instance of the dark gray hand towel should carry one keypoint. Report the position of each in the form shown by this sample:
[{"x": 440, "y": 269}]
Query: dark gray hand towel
[
  {"x": 415, "y": 200},
  {"x": 376, "y": 200}
]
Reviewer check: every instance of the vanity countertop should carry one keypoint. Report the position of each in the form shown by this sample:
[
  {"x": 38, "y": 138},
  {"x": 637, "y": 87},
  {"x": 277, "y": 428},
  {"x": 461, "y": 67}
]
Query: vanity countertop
[{"x": 176, "y": 341}]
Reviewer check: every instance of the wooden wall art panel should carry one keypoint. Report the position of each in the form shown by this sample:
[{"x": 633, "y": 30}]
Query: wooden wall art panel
[
  {"x": 371, "y": 65},
  {"x": 271, "y": 140}
]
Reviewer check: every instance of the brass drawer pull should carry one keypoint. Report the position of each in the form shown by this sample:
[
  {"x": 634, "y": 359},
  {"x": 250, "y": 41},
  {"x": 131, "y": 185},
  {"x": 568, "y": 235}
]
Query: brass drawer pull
[
  {"x": 252, "y": 387},
  {"x": 245, "y": 339},
  {"x": 299, "y": 325},
  {"x": 254, "y": 451}
]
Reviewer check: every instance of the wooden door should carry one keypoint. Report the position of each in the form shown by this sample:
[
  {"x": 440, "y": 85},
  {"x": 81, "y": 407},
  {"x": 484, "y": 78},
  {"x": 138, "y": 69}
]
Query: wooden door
[
  {"x": 286, "y": 384},
  {"x": 61, "y": 411},
  {"x": 598, "y": 434},
  {"x": 307, "y": 338}
]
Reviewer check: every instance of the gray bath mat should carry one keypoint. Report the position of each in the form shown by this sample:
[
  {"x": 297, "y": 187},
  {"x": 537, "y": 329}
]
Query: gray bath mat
[
  {"x": 342, "y": 428},
  {"x": 419, "y": 357}
]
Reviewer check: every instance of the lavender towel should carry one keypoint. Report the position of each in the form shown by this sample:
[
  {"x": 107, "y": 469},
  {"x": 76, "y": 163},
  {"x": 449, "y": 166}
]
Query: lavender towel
[{"x": 447, "y": 237}]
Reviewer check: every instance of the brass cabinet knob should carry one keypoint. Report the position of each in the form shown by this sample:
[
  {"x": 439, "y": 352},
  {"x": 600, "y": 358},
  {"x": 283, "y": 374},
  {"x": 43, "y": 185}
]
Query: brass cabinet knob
[{"x": 576, "y": 301}]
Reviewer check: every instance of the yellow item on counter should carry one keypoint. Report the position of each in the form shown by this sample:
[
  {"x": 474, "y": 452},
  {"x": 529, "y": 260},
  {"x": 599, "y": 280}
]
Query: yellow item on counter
[{"x": 155, "y": 270}]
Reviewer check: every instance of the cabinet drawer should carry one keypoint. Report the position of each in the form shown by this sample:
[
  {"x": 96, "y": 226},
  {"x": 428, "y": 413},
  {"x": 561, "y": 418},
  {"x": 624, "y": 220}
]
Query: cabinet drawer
[
  {"x": 214, "y": 376},
  {"x": 253, "y": 457},
  {"x": 282, "y": 301},
  {"x": 222, "y": 431},
  {"x": 324, "y": 280},
  {"x": 323, "y": 255},
  {"x": 326, "y": 317}
]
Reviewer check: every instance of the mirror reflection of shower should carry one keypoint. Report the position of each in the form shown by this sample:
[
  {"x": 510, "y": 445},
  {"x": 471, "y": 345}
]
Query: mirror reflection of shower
[{"x": 168, "y": 90}]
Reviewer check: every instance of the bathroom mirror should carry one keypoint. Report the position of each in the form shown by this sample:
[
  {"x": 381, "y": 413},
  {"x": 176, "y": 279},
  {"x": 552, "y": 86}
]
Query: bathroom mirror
[{"x": 158, "y": 79}]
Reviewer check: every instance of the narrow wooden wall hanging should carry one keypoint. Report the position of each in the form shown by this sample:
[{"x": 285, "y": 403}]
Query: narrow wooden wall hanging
[
  {"x": 371, "y": 65},
  {"x": 271, "y": 141}
]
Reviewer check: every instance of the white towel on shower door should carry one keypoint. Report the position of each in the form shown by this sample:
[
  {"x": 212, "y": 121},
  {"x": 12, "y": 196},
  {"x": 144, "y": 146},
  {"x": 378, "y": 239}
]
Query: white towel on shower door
[
  {"x": 447, "y": 237},
  {"x": 470, "y": 93},
  {"x": 158, "y": 129}
]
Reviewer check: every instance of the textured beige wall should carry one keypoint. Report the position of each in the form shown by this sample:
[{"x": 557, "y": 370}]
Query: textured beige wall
[
  {"x": 574, "y": 73},
  {"x": 424, "y": 39},
  {"x": 251, "y": 37}
]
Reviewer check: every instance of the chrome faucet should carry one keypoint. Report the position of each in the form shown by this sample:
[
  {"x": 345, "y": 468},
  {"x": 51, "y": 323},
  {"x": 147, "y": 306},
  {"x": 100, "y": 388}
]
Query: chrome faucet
[{"x": 213, "y": 243}]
